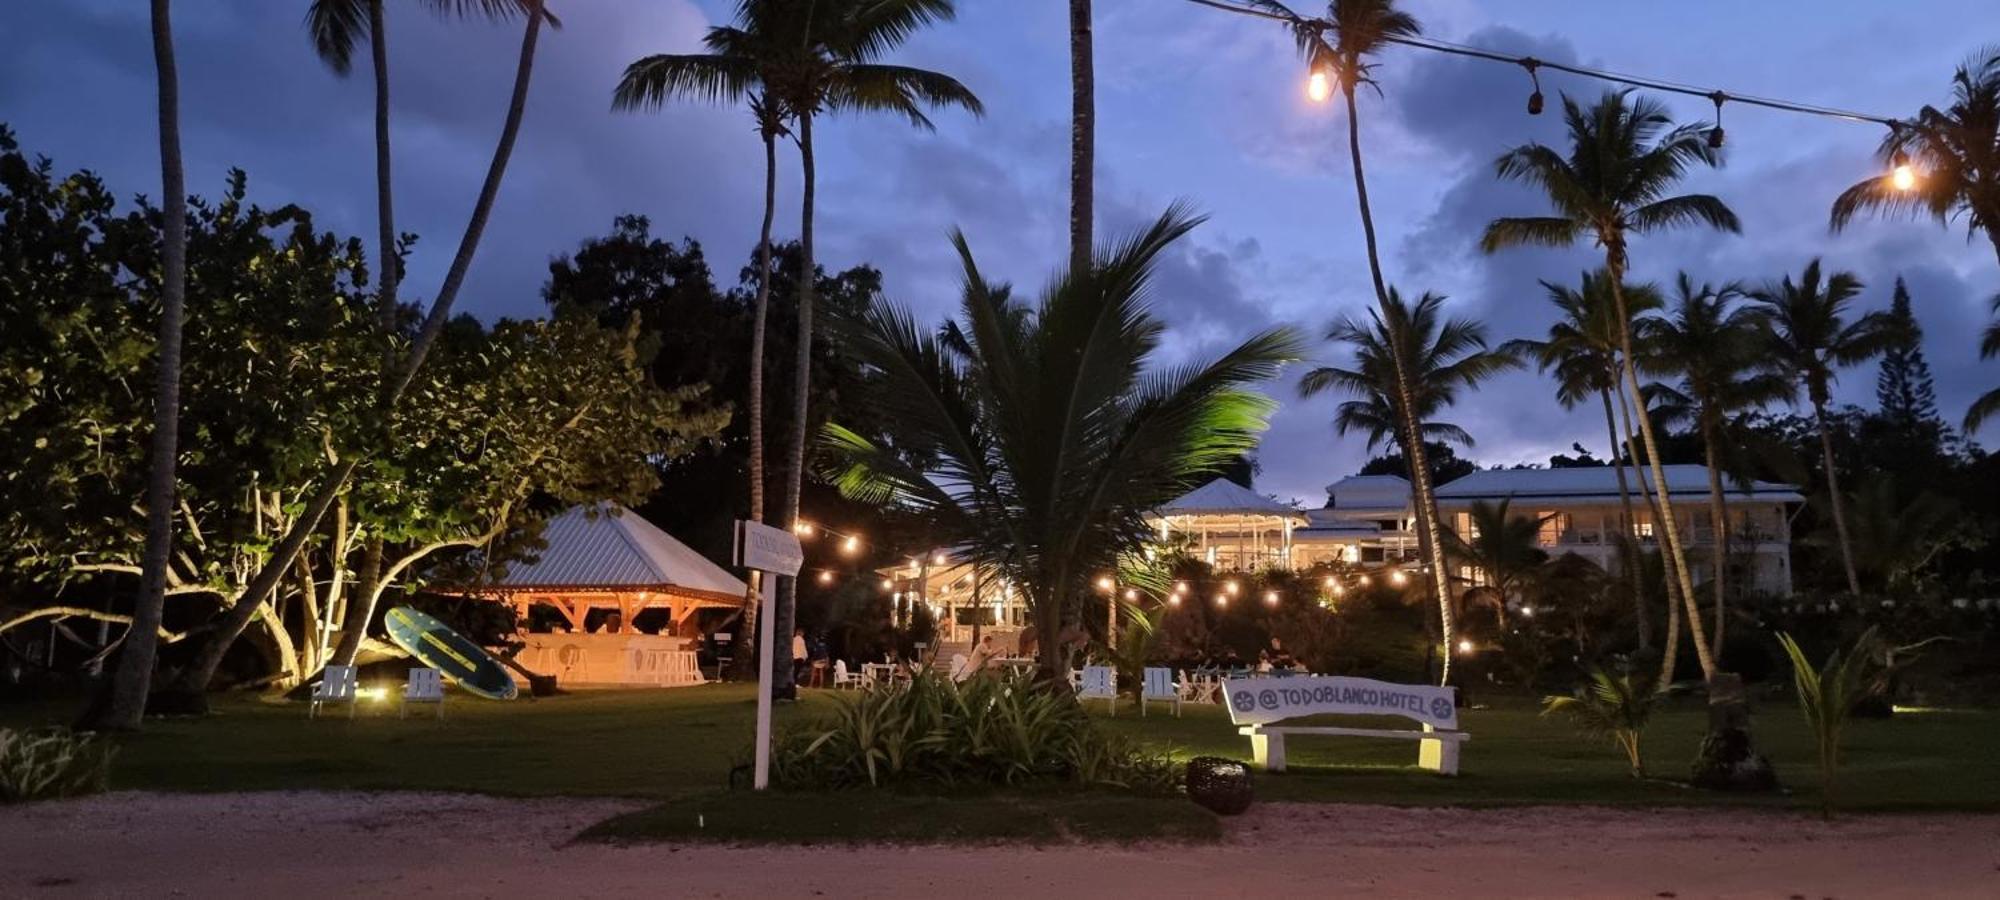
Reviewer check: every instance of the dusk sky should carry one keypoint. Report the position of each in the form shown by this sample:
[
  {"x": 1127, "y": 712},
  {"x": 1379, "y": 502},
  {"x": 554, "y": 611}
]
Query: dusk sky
[{"x": 1193, "y": 104}]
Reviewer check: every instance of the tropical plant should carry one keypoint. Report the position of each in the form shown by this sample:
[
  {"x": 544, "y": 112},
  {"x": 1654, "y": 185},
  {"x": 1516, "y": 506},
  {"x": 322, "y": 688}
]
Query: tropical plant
[
  {"x": 984, "y": 731},
  {"x": 134, "y": 678},
  {"x": 1988, "y": 404},
  {"x": 1505, "y": 548},
  {"x": 52, "y": 763},
  {"x": 1135, "y": 645},
  {"x": 1582, "y": 351},
  {"x": 1716, "y": 348},
  {"x": 1808, "y": 340},
  {"x": 1954, "y": 155},
  {"x": 1827, "y": 697},
  {"x": 744, "y": 61},
  {"x": 1897, "y": 537},
  {"x": 1613, "y": 707},
  {"x": 1625, "y": 156},
  {"x": 1361, "y": 28},
  {"x": 336, "y": 26},
  {"x": 837, "y": 71},
  {"x": 1054, "y": 440},
  {"x": 279, "y": 563},
  {"x": 1436, "y": 358}
]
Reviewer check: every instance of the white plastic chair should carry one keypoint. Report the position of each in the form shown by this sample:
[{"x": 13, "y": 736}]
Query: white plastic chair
[
  {"x": 337, "y": 684},
  {"x": 842, "y": 680},
  {"x": 1099, "y": 683},
  {"x": 426, "y": 685},
  {"x": 1159, "y": 687},
  {"x": 960, "y": 667}
]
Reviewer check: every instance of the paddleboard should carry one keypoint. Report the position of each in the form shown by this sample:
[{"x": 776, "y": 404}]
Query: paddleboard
[{"x": 434, "y": 644}]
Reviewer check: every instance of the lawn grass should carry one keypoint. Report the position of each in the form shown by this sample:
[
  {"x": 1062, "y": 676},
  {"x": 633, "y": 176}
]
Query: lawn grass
[{"x": 678, "y": 746}]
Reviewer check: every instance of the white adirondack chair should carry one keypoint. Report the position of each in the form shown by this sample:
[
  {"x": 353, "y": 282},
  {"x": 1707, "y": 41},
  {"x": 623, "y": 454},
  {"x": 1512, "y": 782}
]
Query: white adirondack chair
[
  {"x": 959, "y": 667},
  {"x": 1159, "y": 687},
  {"x": 337, "y": 684},
  {"x": 843, "y": 679},
  {"x": 426, "y": 685},
  {"x": 1099, "y": 683}
]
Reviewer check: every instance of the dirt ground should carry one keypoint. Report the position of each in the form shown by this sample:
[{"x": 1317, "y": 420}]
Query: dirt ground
[{"x": 299, "y": 845}]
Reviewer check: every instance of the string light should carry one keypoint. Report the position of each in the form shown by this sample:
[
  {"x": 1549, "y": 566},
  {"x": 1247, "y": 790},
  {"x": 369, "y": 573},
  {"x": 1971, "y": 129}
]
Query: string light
[
  {"x": 937, "y": 560},
  {"x": 1535, "y": 99},
  {"x": 1231, "y": 586},
  {"x": 1104, "y": 583},
  {"x": 1465, "y": 646},
  {"x": 1221, "y": 599},
  {"x": 1180, "y": 587},
  {"x": 1397, "y": 578},
  {"x": 1363, "y": 581},
  {"x": 1329, "y": 583},
  {"x": 1319, "y": 85},
  {"x": 803, "y": 529},
  {"x": 850, "y": 545},
  {"x": 825, "y": 577},
  {"x": 1271, "y": 598},
  {"x": 1131, "y": 594},
  {"x": 887, "y": 584},
  {"x": 1715, "y": 134},
  {"x": 1174, "y": 599}
]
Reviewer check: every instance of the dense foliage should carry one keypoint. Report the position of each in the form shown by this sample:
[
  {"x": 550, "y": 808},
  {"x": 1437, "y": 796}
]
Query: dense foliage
[{"x": 50, "y": 763}]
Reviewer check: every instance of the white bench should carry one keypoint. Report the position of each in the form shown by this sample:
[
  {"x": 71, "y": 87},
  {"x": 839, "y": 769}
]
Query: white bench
[
  {"x": 1260, "y": 706},
  {"x": 1437, "y": 751}
]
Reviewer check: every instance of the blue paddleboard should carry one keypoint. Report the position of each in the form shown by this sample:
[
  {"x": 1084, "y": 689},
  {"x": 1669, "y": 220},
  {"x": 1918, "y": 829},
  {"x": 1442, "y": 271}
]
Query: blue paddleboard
[{"x": 434, "y": 644}]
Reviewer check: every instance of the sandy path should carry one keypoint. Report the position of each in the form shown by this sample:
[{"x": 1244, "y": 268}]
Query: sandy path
[{"x": 299, "y": 845}]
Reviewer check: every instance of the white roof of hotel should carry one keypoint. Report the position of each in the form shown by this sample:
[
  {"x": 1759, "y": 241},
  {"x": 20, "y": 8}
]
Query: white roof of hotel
[
  {"x": 1358, "y": 494},
  {"x": 1223, "y": 497},
  {"x": 610, "y": 548},
  {"x": 1592, "y": 484}
]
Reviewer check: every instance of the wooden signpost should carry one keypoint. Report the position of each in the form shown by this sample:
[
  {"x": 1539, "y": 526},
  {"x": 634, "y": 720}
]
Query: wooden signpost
[{"x": 776, "y": 551}]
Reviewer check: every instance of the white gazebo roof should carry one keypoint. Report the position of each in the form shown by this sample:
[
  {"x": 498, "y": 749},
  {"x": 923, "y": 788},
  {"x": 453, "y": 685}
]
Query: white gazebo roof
[
  {"x": 1223, "y": 497},
  {"x": 608, "y": 548}
]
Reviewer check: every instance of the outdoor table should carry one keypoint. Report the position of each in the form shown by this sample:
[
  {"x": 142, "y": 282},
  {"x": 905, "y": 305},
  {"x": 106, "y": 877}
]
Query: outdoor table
[{"x": 873, "y": 673}]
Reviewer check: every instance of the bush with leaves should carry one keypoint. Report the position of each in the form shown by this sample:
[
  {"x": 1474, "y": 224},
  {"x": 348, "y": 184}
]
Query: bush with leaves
[
  {"x": 50, "y": 763},
  {"x": 1613, "y": 707},
  {"x": 1827, "y": 697},
  {"x": 988, "y": 731}
]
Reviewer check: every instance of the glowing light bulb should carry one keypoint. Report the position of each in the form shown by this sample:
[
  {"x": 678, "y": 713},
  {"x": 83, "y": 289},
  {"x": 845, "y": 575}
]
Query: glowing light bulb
[
  {"x": 850, "y": 545},
  {"x": 1221, "y": 599},
  {"x": 1903, "y": 177},
  {"x": 1131, "y": 594},
  {"x": 1329, "y": 583},
  {"x": 1397, "y": 578},
  {"x": 826, "y": 578},
  {"x": 1465, "y": 646},
  {"x": 1230, "y": 587},
  {"x": 1319, "y": 86},
  {"x": 803, "y": 529},
  {"x": 887, "y": 584},
  {"x": 1104, "y": 583},
  {"x": 1363, "y": 580},
  {"x": 1180, "y": 587},
  {"x": 1174, "y": 599},
  {"x": 937, "y": 560},
  {"x": 1271, "y": 598}
]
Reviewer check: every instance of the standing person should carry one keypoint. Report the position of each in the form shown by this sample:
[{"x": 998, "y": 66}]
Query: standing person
[{"x": 799, "y": 661}]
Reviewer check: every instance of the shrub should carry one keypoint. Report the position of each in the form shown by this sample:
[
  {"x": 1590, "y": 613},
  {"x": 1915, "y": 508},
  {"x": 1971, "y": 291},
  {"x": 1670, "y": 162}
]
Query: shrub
[
  {"x": 51, "y": 763},
  {"x": 1616, "y": 708},
  {"x": 986, "y": 731},
  {"x": 1827, "y": 697}
]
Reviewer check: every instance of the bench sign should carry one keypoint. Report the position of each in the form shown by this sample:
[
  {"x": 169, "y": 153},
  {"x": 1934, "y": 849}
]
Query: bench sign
[
  {"x": 774, "y": 550},
  {"x": 1261, "y": 701}
]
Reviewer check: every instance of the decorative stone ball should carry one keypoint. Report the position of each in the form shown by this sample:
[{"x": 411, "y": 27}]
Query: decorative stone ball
[{"x": 1220, "y": 785}]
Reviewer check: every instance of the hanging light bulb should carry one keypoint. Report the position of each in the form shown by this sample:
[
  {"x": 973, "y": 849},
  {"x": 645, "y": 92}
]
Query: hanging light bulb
[
  {"x": 1221, "y": 599},
  {"x": 1363, "y": 580},
  {"x": 1174, "y": 599},
  {"x": 1715, "y": 134},
  {"x": 1901, "y": 176},
  {"x": 1270, "y": 598},
  {"x": 1319, "y": 85},
  {"x": 1180, "y": 587},
  {"x": 1535, "y": 101},
  {"x": 1329, "y": 583},
  {"x": 1465, "y": 646},
  {"x": 1104, "y": 583},
  {"x": 803, "y": 529},
  {"x": 1131, "y": 594},
  {"x": 826, "y": 578},
  {"x": 1397, "y": 578},
  {"x": 1231, "y": 586},
  {"x": 887, "y": 584},
  {"x": 850, "y": 545}
]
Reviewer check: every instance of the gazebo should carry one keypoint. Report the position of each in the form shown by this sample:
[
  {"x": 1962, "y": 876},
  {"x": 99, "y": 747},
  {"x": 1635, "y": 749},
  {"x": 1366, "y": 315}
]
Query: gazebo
[
  {"x": 606, "y": 557},
  {"x": 1233, "y": 526}
]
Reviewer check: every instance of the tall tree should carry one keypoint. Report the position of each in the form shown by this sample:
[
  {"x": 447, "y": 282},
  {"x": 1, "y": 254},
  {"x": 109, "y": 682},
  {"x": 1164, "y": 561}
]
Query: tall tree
[
  {"x": 743, "y": 62},
  {"x": 287, "y": 548},
  {"x": 1410, "y": 354},
  {"x": 1625, "y": 156},
  {"x": 1954, "y": 155},
  {"x": 1361, "y": 28},
  {"x": 1056, "y": 437},
  {"x": 336, "y": 26},
  {"x": 1717, "y": 348},
  {"x": 1082, "y": 134},
  {"x": 1503, "y": 546},
  {"x": 1904, "y": 389},
  {"x": 1582, "y": 351},
  {"x": 134, "y": 679},
  {"x": 1809, "y": 340},
  {"x": 837, "y": 71}
]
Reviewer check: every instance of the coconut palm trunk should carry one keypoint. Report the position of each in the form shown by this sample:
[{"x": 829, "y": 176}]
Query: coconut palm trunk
[
  {"x": 1670, "y": 647},
  {"x": 133, "y": 680},
  {"x": 1718, "y": 525},
  {"x": 1614, "y": 257},
  {"x": 1833, "y": 488},
  {"x": 198, "y": 675},
  {"x": 1082, "y": 134},
  {"x": 1628, "y": 550},
  {"x": 1420, "y": 475},
  {"x": 744, "y": 662},
  {"x": 788, "y": 593}
]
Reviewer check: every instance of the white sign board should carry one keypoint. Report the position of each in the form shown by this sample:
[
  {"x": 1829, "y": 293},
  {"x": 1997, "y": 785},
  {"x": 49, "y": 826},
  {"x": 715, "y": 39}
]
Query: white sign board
[
  {"x": 768, "y": 549},
  {"x": 1261, "y": 701}
]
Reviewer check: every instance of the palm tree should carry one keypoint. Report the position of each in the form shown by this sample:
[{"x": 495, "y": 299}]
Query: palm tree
[
  {"x": 134, "y": 679},
  {"x": 1360, "y": 29},
  {"x": 1809, "y": 339},
  {"x": 1410, "y": 352},
  {"x": 1082, "y": 135},
  {"x": 1899, "y": 534},
  {"x": 196, "y": 677},
  {"x": 743, "y": 62},
  {"x": 1955, "y": 152},
  {"x": 1582, "y": 351},
  {"x": 1988, "y": 404},
  {"x": 836, "y": 71},
  {"x": 336, "y": 26},
  {"x": 1717, "y": 349},
  {"x": 1505, "y": 548},
  {"x": 1625, "y": 155},
  {"x": 1055, "y": 436}
]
